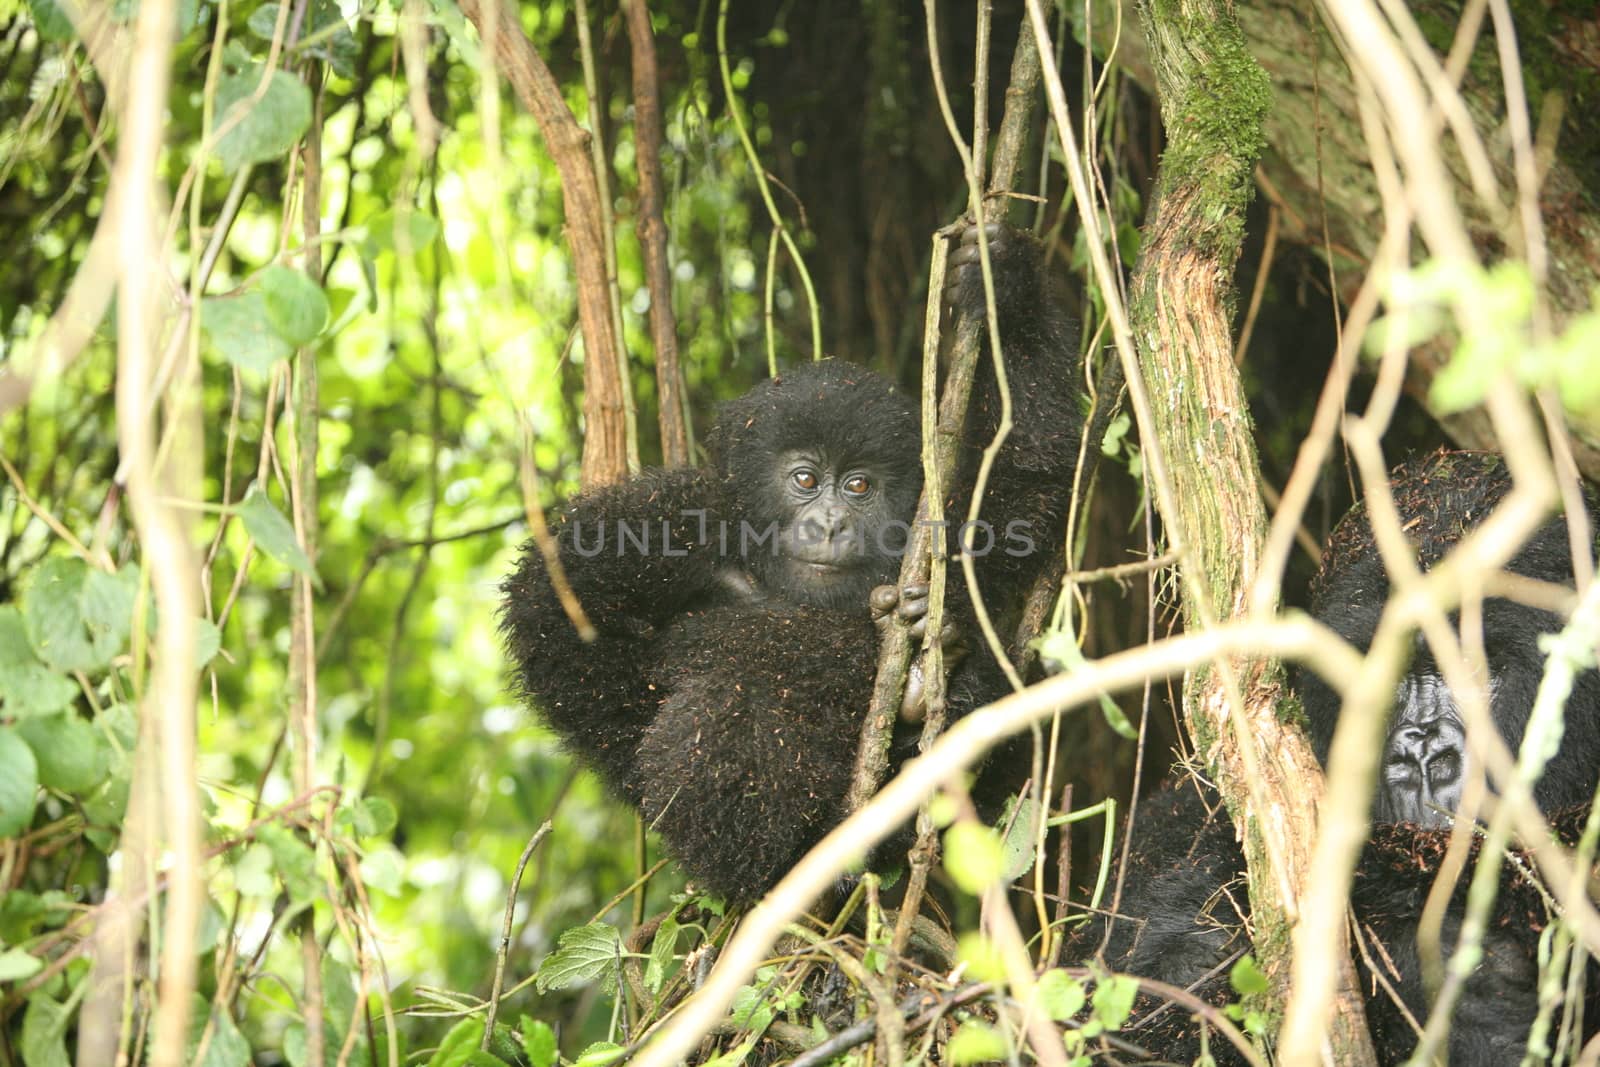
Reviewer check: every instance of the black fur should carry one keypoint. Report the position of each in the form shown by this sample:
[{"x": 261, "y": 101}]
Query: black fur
[
  {"x": 724, "y": 693},
  {"x": 1181, "y": 918}
]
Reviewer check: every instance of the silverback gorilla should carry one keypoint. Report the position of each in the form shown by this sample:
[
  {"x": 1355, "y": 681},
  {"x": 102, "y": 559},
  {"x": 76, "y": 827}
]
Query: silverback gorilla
[
  {"x": 735, "y": 650},
  {"x": 1180, "y": 918}
]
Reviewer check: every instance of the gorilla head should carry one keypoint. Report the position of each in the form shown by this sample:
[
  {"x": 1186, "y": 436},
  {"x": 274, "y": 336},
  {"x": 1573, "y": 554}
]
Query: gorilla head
[
  {"x": 821, "y": 470},
  {"x": 1426, "y": 762}
]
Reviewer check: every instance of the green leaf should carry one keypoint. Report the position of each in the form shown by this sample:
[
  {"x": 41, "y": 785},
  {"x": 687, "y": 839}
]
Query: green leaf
[
  {"x": 51, "y": 21},
  {"x": 294, "y": 861},
  {"x": 27, "y": 686},
  {"x": 207, "y": 641},
  {"x": 975, "y": 1042},
  {"x": 329, "y": 39},
  {"x": 71, "y": 754},
  {"x": 19, "y": 783},
  {"x": 583, "y": 954},
  {"x": 296, "y": 305},
  {"x": 1019, "y": 817},
  {"x": 1113, "y": 1000},
  {"x": 106, "y": 806},
  {"x": 383, "y": 869},
  {"x": 599, "y": 1054},
  {"x": 973, "y": 855},
  {"x": 982, "y": 957},
  {"x": 733, "y": 1057},
  {"x": 241, "y": 330},
  {"x": 404, "y": 231},
  {"x": 259, "y": 130},
  {"x": 373, "y": 817},
  {"x": 458, "y": 1044},
  {"x": 252, "y": 874},
  {"x": 273, "y": 533},
  {"x": 662, "y": 951},
  {"x": 17, "y": 965},
  {"x": 1061, "y": 995},
  {"x": 44, "y": 1032},
  {"x": 538, "y": 1041},
  {"x": 227, "y": 1046},
  {"x": 1247, "y": 978},
  {"x": 263, "y": 21},
  {"x": 24, "y": 914},
  {"x": 78, "y": 618},
  {"x": 752, "y": 1009}
]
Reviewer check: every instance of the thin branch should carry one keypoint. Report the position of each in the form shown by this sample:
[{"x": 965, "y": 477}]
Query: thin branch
[
  {"x": 652, "y": 230},
  {"x": 505, "y": 931}
]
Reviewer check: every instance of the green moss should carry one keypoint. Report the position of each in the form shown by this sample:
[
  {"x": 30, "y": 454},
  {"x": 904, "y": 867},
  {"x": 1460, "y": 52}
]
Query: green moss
[
  {"x": 1291, "y": 712},
  {"x": 1214, "y": 97}
]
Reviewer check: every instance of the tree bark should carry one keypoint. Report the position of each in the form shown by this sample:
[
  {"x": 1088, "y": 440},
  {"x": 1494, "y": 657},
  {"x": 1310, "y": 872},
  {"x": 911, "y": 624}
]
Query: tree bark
[
  {"x": 1213, "y": 100},
  {"x": 1316, "y": 163},
  {"x": 652, "y": 230}
]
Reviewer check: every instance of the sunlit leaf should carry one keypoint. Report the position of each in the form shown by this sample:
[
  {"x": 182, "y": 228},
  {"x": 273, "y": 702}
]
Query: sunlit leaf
[
  {"x": 975, "y": 1042},
  {"x": 583, "y": 954},
  {"x": 973, "y": 855},
  {"x": 273, "y": 533},
  {"x": 19, "y": 783},
  {"x": 1246, "y": 977},
  {"x": 241, "y": 329},
  {"x": 264, "y": 128},
  {"x": 16, "y": 965},
  {"x": 1113, "y": 1000},
  {"x": 1061, "y": 995}
]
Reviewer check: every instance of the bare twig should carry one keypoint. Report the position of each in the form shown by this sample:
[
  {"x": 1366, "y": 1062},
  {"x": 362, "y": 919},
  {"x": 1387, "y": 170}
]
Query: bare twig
[
  {"x": 652, "y": 231},
  {"x": 505, "y": 931}
]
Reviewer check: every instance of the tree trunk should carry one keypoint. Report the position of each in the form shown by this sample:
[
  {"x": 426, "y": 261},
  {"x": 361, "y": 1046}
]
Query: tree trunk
[
  {"x": 1316, "y": 162},
  {"x": 1213, "y": 98}
]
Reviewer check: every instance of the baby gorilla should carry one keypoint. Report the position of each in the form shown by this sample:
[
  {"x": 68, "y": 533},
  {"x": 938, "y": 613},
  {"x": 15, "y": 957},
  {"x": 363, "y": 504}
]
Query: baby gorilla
[
  {"x": 735, "y": 649},
  {"x": 1182, "y": 916}
]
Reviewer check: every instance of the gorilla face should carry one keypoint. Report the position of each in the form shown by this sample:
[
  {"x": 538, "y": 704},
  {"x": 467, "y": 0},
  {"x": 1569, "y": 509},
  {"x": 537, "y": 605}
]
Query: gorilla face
[
  {"x": 1425, "y": 754},
  {"x": 1426, "y": 761},
  {"x": 838, "y": 531}
]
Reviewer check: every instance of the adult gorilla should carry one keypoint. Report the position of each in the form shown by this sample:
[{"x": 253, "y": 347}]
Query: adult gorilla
[{"x": 1182, "y": 917}]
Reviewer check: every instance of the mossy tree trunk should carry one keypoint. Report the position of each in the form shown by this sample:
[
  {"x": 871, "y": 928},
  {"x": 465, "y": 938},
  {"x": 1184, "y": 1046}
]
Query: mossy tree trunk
[
  {"x": 1213, "y": 99},
  {"x": 1317, "y": 169}
]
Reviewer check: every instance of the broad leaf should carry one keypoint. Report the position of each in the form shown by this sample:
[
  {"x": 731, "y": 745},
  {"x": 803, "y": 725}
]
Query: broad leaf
[
  {"x": 259, "y": 129},
  {"x": 584, "y": 954},
  {"x": 273, "y": 533},
  {"x": 19, "y": 783}
]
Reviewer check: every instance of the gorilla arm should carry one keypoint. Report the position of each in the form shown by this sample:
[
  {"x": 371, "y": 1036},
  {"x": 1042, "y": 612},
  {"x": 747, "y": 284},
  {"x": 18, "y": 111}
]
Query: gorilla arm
[{"x": 636, "y": 556}]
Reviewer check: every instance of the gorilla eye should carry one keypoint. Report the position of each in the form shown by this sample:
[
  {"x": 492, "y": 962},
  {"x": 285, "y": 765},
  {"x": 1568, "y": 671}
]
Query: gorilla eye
[
  {"x": 857, "y": 484},
  {"x": 805, "y": 479}
]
